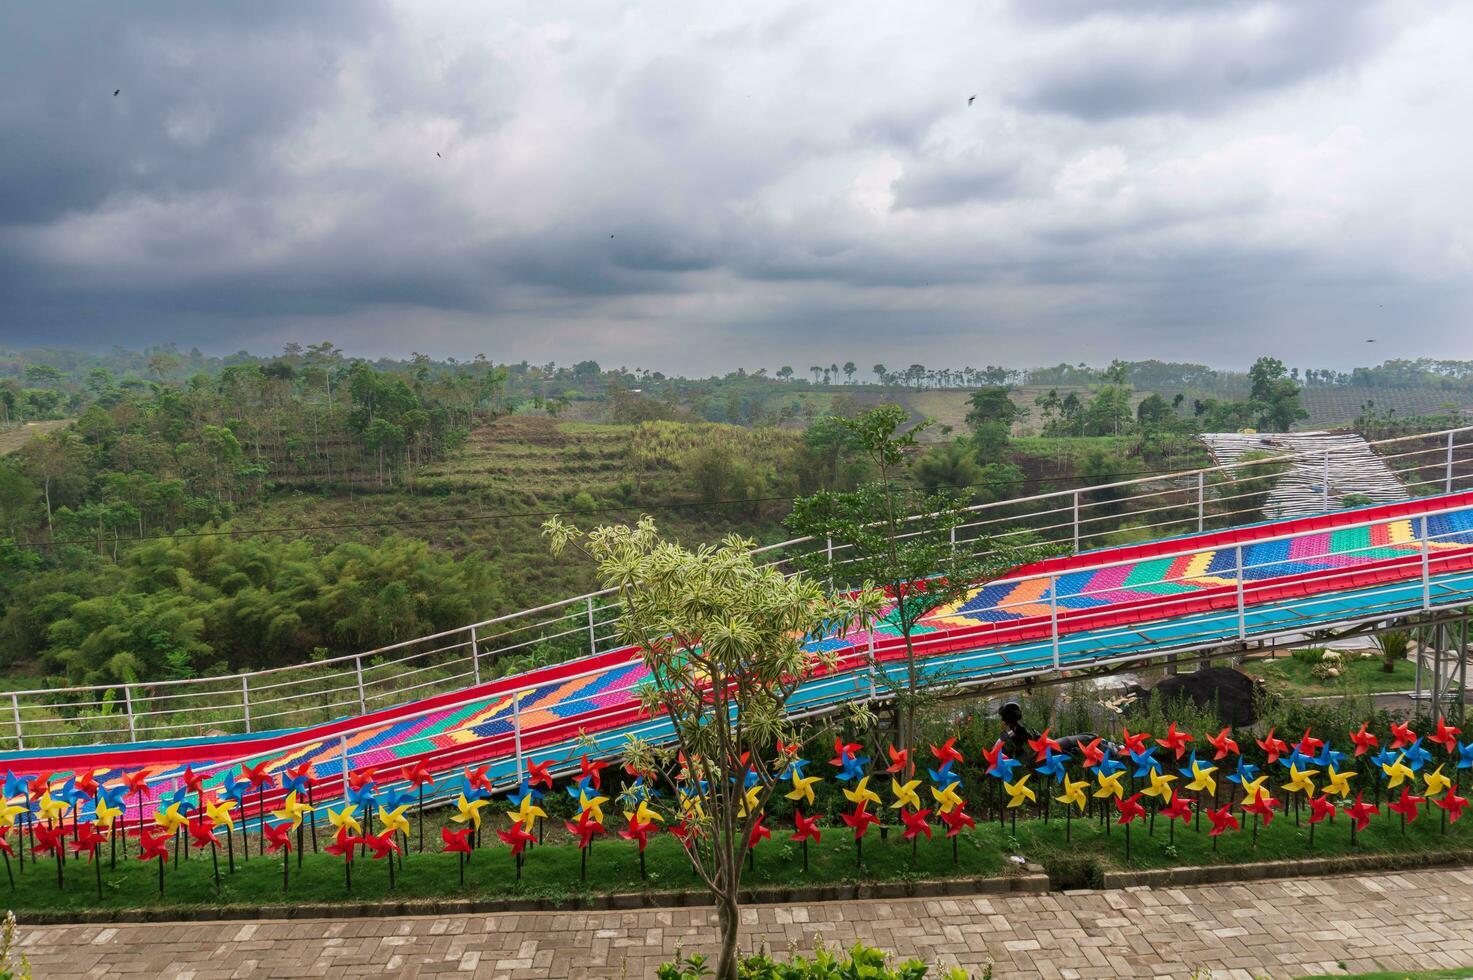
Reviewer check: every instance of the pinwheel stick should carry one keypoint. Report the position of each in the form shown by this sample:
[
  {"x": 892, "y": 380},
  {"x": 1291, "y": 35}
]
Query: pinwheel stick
[
  {"x": 286, "y": 866},
  {"x": 583, "y": 861},
  {"x": 1311, "y": 836},
  {"x": 391, "y": 871},
  {"x": 1068, "y": 830},
  {"x": 215, "y": 861},
  {"x": 641, "y": 863},
  {"x": 8, "y": 875},
  {"x": 460, "y": 861},
  {"x": 1127, "y": 843},
  {"x": 422, "y": 821},
  {"x": 112, "y": 832},
  {"x": 805, "y": 855},
  {"x": 97, "y": 867},
  {"x": 348, "y": 875},
  {"x": 261, "y": 816},
  {"x": 161, "y": 875},
  {"x": 859, "y": 851},
  {"x": 230, "y": 847}
]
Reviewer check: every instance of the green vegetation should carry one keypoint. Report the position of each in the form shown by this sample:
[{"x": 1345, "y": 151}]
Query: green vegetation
[
  {"x": 859, "y": 961},
  {"x": 1296, "y": 678}
]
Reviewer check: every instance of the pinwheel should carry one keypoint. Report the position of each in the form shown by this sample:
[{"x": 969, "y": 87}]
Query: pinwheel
[
  {"x": 1396, "y": 772},
  {"x": 843, "y": 752},
  {"x": 469, "y": 811},
  {"x": 1201, "y": 781},
  {"x": 1446, "y": 736},
  {"x": 1134, "y": 744},
  {"x": 345, "y": 819},
  {"x": 1130, "y": 809},
  {"x": 1407, "y": 806},
  {"x": 947, "y": 752},
  {"x": 1244, "y": 774},
  {"x": 292, "y": 810},
  {"x": 477, "y": 779},
  {"x": 1223, "y": 744},
  {"x": 1452, "y": 806},
  {"x": 1053, "y": 765},
  {"x": 899, "y": 760},
  {"x": 1465, "y": 756},
  {"x": 1417, "y": 756},
  {"x": 916, "y": 823},
  {"x": 1043, "y": 746},
  {"x": 861, "y": 794},
  {"x": 537, "y": 773},
  {"x": 136, "y": 783},
  {"x": 1329, "y": 758},
  {"x": 1223, "y": 820},
  {"x": 394, "y": 821},
  {"x": 105, "y": 815},
  {"x": 1019, "y": 792},
  {"x": 458, "y": 841},
  {"x": 803, "y": 788},
  {"x": 750, "y": 800},
  {"x": 1320, "y": 808},
  {"x": 794, "y": 766},
  {"x": 759, "y": 832},
  {"x": 1301, "y": 781},
  {"x": 1272, "y": 747},
  {"x": 1093, "y": 754},
  {"x": 1263, "y": 808},
  {"x": 1253, "y": 790},
  {"x": 944, "y": 775},
  {"x": 640, "y": 832},
  {"x": 5, "y": 849},
  {"x": 1074, "y": 794},
  {"x": 194, "y": 782},
  {"x": 1364, "y": 741},
  {"x": 585, "y": 830},
  {"x": 218, "y": 812},
  {"x": 592, "y": 805},
  {"x": 418, "y": 777},
  {"x": 384, "y": 845},
  {"x": 298, "y": 779},
  {"x": 905, "y": 794},
  {"x": 590, "y": 771},
  {"x": 946, "y": 798},
  {"x": 527, "y": 812},
  {"x": 853, "y": 768},
  {"x": 1308, "y": 744},
  {"x": 1337, "y": 783},
  {"x": 342, "y": 846},
  {"x": 1296, "y": 759},
  {"x": 955, "y": 820},
  {"x": 1360, "y": 813},
  {"x": 1175, "y": 741},
  {"x": 1180, "y": 808},
  {"x": 278, "y": 837},
  {"x": 1401, "y": 735},
  {"x": 170, "y": 819},
  {"x": 1435, "y": 782},
  {"x": 859, "y": 821},
  {"x": 1002, "y": 767},
  {"x": 151, "y": 847},
  {"x": 236, "y": 790},
  {"x": 806, "y": 829},
  {"x": 1160, "y": 787},
  {"x": 260, "y": 781},
  {"x": 689, "y": 797},
  {"x": 1109, "y": 786}
]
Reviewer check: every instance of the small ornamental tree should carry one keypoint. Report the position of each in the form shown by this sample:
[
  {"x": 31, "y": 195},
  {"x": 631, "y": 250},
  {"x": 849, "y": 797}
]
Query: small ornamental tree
[
  {"x": 724, "y": 641},
  {"x": 894, "y": 535}
]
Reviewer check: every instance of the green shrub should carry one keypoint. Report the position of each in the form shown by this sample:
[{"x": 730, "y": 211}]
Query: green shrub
[
  {"x": 1309, "y": 655},
  {"x": 860, "y": 962}
]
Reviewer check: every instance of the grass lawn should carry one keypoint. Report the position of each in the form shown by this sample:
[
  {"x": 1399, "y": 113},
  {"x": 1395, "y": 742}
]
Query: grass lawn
[
  {"x": 552, "y": 871},
  {"x": 1292, "y": 677}
]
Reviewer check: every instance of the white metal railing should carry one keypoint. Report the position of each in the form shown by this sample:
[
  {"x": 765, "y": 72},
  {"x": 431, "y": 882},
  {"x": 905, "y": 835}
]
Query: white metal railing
[{"x": 1155, "y": 505}]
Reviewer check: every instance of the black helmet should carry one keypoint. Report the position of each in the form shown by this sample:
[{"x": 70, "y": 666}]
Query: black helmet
[{"x": 1012, "y": 712}]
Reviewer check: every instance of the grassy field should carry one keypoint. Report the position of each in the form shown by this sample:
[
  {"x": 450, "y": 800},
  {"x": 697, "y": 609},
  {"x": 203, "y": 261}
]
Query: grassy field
[
  {"x": 553, "y": 871},
  {"x": 12, "y": 438},
  {"x": 1292, "y": 677}
]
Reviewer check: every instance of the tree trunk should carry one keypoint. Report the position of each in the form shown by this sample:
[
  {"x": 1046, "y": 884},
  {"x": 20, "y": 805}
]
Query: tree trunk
[{"x": 731, "y": 922}]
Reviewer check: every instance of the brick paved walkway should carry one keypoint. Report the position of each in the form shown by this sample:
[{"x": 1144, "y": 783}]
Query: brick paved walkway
[{"x": 1277, "y": 929}]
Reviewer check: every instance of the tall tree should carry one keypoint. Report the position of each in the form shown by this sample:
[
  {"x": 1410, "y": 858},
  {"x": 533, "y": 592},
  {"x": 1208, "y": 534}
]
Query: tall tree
[{"x": 1275, "y": 395}]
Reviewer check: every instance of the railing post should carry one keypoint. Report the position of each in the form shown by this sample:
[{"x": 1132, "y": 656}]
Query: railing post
[
  {"x": 1201, "y": 501},
  {"x": 245, "y": 702},
  {"x": 872, "y": 662},
  {"x": 592, "y": 640},
  {"x": 1053, "y": 615},
  {"x": 358, "y": 669},
  {"x": 128, "y": 707},
  {"x": 1242, "y": 609},
  {"x": 475, "y": 657},
  {"x": 953, "y": 539},
  {"x": 516, "y": 729},
  {"x": 1449, "y": 480},
  {"x": 343, "y": 748},
  {"x": 1426, "y": 563},
  {"x": 829, "y": 550},
  {"x": 1076, "y": 521},
  {"x": 1325, "y": 494},
  {"x": 20, "y": 741}
]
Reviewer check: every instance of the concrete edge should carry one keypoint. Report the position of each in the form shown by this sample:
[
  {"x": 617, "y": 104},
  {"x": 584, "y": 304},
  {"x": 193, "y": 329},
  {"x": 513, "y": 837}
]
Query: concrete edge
[{"x": 1214, "y": 874}]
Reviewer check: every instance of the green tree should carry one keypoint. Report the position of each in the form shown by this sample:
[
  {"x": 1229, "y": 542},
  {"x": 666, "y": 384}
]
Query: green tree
[
  {"x": 990, "y": 416},
  {"x": 725, "y": 644},
  {"x": 1275, "y": 395}
]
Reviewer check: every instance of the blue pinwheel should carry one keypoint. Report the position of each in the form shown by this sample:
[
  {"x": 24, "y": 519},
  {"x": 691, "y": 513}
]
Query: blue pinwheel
[
  {"x": 1145, "y": 763},
  {"x": 1296, "y": 760},
  {"x": 1465, "y": 757},
  {"x": 1109, "y": 766},
  {"x": 1244, "y": 775},
  {"x": 1384, "y": 758},
  {"x": 237, "y": 791},
  {"x": 794, "y": 766},
  {"x": 297, "y": 784},
  {"x": 364, "y": 796},
  {"x": 750, "y": 779},
  {"x": 1003, "y": 768},
  {"x": 114, "y": 796},
  {"x": 522, "y": 791},
  {"x": 1416, "y": 756},
  {"x": 853, "y": 768},
  {"x": 1192, "y": 763},
  {"x": 583, "y": 786},
  {"x": 944, "y": 776},
  {"x": 15, "y": 785},
  {"x": 395, "y": 797},
  {"x": 1329, "y": 757},
  {"x": 1053, "y": 765}
]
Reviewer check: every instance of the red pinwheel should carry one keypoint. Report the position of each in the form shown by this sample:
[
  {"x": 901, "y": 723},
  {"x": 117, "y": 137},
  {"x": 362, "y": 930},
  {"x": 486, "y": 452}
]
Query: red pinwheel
[
  {"x": 807, "y": 828},
  {"x": 787, "y": 748},
  {"x": 40, "y": 785},
  {"x": 1453, "y": 804},
  {"x": 87, "y": 782},
  {"x": 899, "y": 761},
  {"x": 586, "y": 828},
  {"x": 1130, "y": 808},
  {"x": 759, "y": 833},
  {"x": 860, "y": 820},
  {"x": 994, "y": 755},
  {"x": 456, "y": 841},
  {"x": 636, "y": 831},
  {"x": 152, "y": 846},
  {"x": 684, "y": 830},
  {"x": 842, "y": 751},
  {"x": 343, "y": 844},
  {"x": 947, "y": 752},
  {"x": 192, "y": 780},
  {"x": 1360, "y": 812},
  {"x": 5, "y": 840},
  {"x": 1041, "y": 746},
  {"x": 49, "y": 840},
  {"x": 1134, "y": 744},
  {"x": 955, "y": 819},
  {"x": 260, "y": 779},
  {"x": 416, "y": 775},
  {"x": 1175, "y": 741},
  {"x": 1224, "y": 744},
  {"x": 301, "y": 774},
  {"x": 383, "y": 844},
  {"x": 1223, "y": 820},
  {"x": 87, "y": 840},
  {"x": 1093, "y": 754},
  {"x": 1364, "y": 741},
  {"x": 137, "y": 782},
  {"x": 1308, "y": 744},
  {"x": 915, "y": 824},
  {"x": 476, "y": 778},
  {"x": 590, "y": 771},
  {"x": 1263, "y": 806},
  {"x": 1321, "y": 808},
  {"x": 1401, "y": 735},
  {"x": 1180, "y": 808},
  {"x": 201, "y": 833},
  {"x": 1408, "y": 805},
  {"x": 537, "y": 773},
  {"x": 359, "y": 778},
  {"x": 1273, "y": 747},
  {"x": 279, "y": 837},
  {"x": 1446, "y": 735}
]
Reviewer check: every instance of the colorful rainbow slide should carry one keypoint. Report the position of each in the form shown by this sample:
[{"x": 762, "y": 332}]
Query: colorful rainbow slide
[{"x": 1087, "y": 610}]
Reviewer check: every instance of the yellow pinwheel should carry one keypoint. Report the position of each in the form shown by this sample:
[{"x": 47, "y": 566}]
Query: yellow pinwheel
[
  {"x": 469, "y": 811},
  {"x": 1110, "y": 785},
  {"x": 1019, "y": 791},
  {"x": 643, "y": 814},
  {"x": 170, "y": 818},
  {"x": 345, "y": 817},
  {"x": 219, "y": 813},
  {"x": 394, "y": 820},
  {"x": 1202, "y": 780},
  {"x": 51, "y": 808},
  {"x": 1301, "y": 781},
  {"x": 1436, "y": 782},
  {"x": 8, "y": 812},
  {"x": 749, "y": 800},
  {"x": 905, "y": 794},
  {"x": 593, "y": 806},
  {"x": 1337, "y": 783},
  {"x": 1160, "y": 786},
  {"x": 1074, "y": 793},
  {"x": 527, "y": 813},
  {"x": 946, "y": 798},
  {"x": 292, "y": 810},
  {"x": 861, "y": 793},
  {"x": 1253, "y": 789},
  {"x": 1397, "y": 771},
  {"x": 803, "y": 787},
  {"x": 691, "y": 805},
  {"x": 106, "y": 814}
]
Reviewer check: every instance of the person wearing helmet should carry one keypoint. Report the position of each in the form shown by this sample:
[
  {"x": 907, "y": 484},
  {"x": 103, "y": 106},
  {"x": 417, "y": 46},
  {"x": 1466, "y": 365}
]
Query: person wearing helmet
[{"x": 1019, "y": 735}]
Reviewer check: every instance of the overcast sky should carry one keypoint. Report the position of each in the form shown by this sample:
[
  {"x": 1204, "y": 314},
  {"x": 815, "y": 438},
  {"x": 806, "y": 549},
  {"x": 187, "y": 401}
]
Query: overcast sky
[{"x": 693, "y": 187}]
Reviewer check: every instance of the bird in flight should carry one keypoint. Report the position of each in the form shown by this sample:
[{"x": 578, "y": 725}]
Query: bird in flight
[
  {"x": 1370, "y": 341},
  {"x": 437, "y": 153},
  {"x": 971, "y": 100},
  {"x": 115, "y": 92}
]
